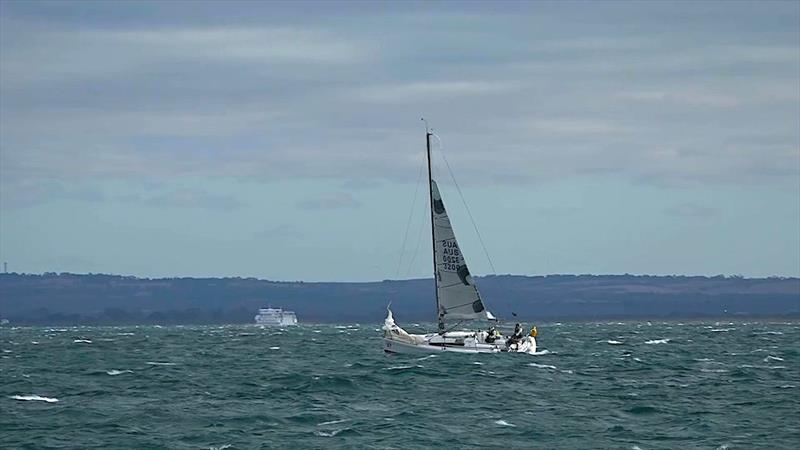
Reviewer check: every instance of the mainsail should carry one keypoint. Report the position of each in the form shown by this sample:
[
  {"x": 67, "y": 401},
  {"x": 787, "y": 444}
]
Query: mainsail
[{"x": 458, "y": 296}]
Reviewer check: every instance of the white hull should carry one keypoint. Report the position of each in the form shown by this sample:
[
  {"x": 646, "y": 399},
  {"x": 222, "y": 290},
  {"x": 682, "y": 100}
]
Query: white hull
[
  {"x": 397, "y": 340},
  {"x": 395, "y": 346}
]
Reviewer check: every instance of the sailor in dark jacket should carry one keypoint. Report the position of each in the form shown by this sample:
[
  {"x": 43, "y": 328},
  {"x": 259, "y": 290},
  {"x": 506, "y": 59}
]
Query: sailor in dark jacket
[
  {"x": 517, "y": 336},
  {"x": 492, "y": 335}
]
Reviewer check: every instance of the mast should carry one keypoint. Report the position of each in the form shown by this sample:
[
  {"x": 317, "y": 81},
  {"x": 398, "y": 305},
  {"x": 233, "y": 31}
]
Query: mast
[{"x": 439, "y": 315}]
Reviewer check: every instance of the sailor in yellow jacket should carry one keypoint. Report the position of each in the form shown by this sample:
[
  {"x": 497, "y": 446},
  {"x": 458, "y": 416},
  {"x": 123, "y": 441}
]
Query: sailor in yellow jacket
[{"x": 534, "y": 331}]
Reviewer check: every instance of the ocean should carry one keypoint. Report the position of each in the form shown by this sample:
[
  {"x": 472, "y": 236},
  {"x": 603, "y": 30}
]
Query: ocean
[{"x": 627, "y": 385}]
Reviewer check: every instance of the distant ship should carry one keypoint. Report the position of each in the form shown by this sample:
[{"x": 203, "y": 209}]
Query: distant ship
[{"x": 275, "y": 317}]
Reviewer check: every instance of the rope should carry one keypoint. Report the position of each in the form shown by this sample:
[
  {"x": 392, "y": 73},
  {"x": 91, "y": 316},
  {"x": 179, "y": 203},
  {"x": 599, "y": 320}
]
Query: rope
[
  {"x": 408, "y": 223},
  {"x": 474, "y": 225},
  {"x": 419, "y": 240}
]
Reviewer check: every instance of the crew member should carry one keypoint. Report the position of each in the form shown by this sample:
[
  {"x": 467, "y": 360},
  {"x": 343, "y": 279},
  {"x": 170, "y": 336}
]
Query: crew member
[
  {"x": 492, "y": 335},
  {"x": 517, "y": 336}
]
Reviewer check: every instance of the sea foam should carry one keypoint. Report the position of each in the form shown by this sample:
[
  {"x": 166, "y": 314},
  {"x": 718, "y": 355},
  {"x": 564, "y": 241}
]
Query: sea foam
[
  {"x": 34, "y": 398},
  {"x": 543, "y": 366},
  {"x": 503, "y": 423}
]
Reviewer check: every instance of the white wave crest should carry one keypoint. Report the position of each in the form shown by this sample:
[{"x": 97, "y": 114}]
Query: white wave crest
[
  {"x": 543, "y": 366},
  {"x": 613, "y": 342},
  {"x": 541, "y": 352},
  {"x": 332, "y": 422},
  {"x": 328, "y": 433},
  {"x": 113, "y": 372},
  {"x": 750, "y": 366},
  {"x": 404, "y": 367},
  {"x": 274, "y": 348},
  {"x": 156, "y": 363},
  {"x": 503, "y": 423},
  {"x": 657, "y": 341},
  {"x": 772, "y": 358},
  {"x": 38, "y": 398},
  {"x": 85, "y": 341}
]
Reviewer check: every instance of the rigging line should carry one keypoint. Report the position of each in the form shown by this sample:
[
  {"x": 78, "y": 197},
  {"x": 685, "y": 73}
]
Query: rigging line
[
  {"x": 454, "y": 326},
  {"x": 474, "y": 225},
  {"x": 419, "y": 241},
  {"x": 408, "y": 223}
]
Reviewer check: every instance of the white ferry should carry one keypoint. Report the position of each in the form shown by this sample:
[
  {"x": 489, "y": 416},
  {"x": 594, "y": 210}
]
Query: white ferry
[{"x": 275, "y": 317}]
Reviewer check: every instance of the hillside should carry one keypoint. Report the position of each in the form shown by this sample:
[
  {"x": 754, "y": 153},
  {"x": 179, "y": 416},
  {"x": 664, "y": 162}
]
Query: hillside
[{"x": 111, "y": 299}]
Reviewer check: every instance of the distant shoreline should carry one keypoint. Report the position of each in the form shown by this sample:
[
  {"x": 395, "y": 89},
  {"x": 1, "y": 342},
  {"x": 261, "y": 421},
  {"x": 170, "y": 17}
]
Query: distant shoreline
[
  {"x": 95, "y": 299},
  {"x": 788, "y": 319}
]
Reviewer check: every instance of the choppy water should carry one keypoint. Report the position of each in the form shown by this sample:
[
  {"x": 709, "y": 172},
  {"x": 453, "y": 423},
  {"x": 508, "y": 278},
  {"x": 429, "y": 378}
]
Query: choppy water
[{"x": 626, "y": 385}]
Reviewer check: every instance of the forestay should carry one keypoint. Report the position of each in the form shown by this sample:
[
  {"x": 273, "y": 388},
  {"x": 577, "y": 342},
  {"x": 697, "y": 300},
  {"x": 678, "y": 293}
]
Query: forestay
[{"x": 458, "y": 296}]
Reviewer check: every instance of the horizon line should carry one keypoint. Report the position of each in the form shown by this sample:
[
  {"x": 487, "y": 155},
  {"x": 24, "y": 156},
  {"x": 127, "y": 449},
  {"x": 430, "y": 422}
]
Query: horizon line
[{"x": 626, "y": 274}]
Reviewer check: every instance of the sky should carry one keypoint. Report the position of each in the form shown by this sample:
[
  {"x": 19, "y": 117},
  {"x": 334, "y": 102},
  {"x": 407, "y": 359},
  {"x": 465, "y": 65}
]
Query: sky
[{"x": 283, "y": 140}]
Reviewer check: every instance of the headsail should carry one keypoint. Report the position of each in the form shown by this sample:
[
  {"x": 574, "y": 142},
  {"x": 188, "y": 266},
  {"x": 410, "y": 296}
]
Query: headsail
[{"x": 458, "y": 296}]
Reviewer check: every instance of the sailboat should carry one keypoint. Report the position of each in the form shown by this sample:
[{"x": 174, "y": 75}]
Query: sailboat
[{"x": 457, "y": 297}]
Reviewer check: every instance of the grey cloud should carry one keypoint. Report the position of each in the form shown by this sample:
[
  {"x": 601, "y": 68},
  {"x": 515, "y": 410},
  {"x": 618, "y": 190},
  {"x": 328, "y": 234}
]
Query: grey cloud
[
  {"x": 422, "y": 91},
  {"x": 342, "y": 99},
  {"x": 35, "y": 54}
]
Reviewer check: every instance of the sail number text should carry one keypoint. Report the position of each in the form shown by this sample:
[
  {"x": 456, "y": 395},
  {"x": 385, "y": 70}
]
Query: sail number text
[{"x": 451, "y": 256}]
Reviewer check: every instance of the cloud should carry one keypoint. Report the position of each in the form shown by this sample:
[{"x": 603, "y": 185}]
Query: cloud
[
  {"x": 697, "y": 98},
  {"x": 33, "y": 54},
  {"x": 426, "y": 90},
  {"x": 330, "y": 202},
  {"x": 312, "y": 97},
  {"x": 572, "y": 126}
]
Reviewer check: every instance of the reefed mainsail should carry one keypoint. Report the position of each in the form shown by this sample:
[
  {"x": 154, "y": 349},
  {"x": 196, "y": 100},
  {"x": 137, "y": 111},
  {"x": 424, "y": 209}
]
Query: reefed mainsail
[{"x": 457, "y": 294}]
